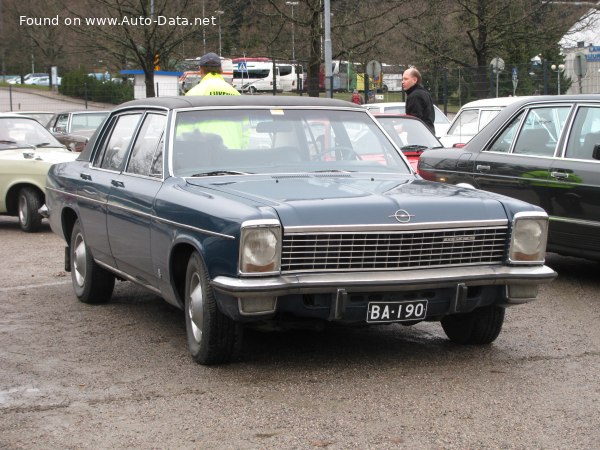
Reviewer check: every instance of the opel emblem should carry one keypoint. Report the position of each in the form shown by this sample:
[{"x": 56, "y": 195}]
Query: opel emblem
[{"x": 402, "y": 216}]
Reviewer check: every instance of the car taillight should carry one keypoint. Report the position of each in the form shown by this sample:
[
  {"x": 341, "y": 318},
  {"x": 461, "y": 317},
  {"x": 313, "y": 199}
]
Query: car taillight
[
  {"x": 458, "y": 145},
  {"x": 430, "y": 176}
]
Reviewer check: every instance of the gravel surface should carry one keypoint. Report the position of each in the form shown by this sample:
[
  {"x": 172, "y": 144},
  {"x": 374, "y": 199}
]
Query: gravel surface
[{"x": 119, "y": 375}]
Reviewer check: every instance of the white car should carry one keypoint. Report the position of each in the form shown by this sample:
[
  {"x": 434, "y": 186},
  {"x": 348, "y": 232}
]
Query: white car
[
  {"x": 27, "y": 150},
  {"x": 441, "y": 123},
  {"x": 472, "y": 117}
]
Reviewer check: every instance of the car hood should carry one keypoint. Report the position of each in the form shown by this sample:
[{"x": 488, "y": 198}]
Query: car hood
[
  {"x": 51, "y": 155},
  {"x": 305, "y": 200}
]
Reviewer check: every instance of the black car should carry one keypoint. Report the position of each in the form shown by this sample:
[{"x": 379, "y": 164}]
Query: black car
[
  {"x": 543, "y": 150},
  {"x": 263, "y": 211}
]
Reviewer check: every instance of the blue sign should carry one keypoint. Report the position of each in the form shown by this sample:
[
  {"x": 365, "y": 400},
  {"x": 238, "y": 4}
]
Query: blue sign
[
  {"x": 514, "y": 72},
  {"x": 242, "y": 66}
]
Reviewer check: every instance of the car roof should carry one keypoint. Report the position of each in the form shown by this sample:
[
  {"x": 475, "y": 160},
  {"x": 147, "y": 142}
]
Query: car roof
[
  {"x": 493, "y": 102},
  {"x": 192, "y": 101}
]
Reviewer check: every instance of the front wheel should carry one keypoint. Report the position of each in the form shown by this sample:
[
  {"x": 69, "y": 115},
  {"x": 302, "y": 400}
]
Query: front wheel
[
  {"x": 92, "y": 283},
  {"x": 29, "y": 202},
  {"x": 213, "y": 338},
  {"x": 481, "y": 326}
]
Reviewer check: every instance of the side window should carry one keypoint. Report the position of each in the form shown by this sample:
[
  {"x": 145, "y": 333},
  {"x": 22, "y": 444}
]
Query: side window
[
  {"x": 506, "y": 138},
  {"x": 61, "y": 122},
  {"x": 585, "y": 134},
  {"x": 465, "y": 124},
  {"x": 156, "y": 169},
  {"x": 541, "y": 131},
  {"x": 117, "y": 142},
  {"x": 486, "y": 116},
  {"x": 145, "y": 146}
]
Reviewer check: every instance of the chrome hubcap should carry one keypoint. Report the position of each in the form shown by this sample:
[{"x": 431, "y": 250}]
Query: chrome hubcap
[
  {"x": 195, "y": 304},
  {"x": 23, "y": 209},
  {"x": 79, "y": 257}
]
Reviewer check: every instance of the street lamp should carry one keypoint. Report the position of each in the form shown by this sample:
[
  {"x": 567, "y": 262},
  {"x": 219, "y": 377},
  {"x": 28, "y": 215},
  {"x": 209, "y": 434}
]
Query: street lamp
[
  {"x": 292, "y": 4},
  {"x": 558, "y": 69},
  {"x": 219, "y": 13}
]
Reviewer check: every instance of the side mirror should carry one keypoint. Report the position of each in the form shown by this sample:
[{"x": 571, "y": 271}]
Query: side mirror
[{"x": 596, "y": 152}]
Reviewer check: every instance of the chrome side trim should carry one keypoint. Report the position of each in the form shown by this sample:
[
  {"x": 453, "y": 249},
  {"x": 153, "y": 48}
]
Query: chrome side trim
[
  {"x": 128, "y": 277},
  {"x": 587, "y": 223},
  {"x": 393, "y": 226},
  {"x": 145, "y": 214},
  {"x": 383, "y": 281}
]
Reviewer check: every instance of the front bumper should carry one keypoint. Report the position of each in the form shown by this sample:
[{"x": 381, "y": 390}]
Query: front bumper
[{"x": 383, "y": 281}]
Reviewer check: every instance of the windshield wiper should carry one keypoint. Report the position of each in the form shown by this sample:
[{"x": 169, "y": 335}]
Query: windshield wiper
[
  {"x": 217, "y": 173},
  {"x": 42, "y": 144},
  {"x": 7, "y": 142}
]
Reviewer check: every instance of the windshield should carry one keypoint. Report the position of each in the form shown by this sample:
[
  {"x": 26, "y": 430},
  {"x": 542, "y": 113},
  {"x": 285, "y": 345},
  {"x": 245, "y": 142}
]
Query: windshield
[
  {"x": 216, "y": 142},
  {"x": 408, "y": 132},
  {"x": 24, "y": 132}
]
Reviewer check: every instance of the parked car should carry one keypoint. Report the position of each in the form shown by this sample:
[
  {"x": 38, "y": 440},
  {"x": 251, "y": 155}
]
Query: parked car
[
  {"x": 27, "y": 77},
  {"x": 543, "y": 150},
  {"x": 410, "y": 134},
  {"x": 43, "y": 117},
  {"x": 74, "y": 128},
  {"x": 440, "y": 124},
  {"x": 259, "y": 211},
  {"x": 472, "y": 117},
  {"x": 27, "y": 150}
]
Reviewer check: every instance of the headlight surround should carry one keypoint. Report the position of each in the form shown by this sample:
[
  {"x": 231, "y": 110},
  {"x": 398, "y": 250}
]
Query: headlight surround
[
  {"x": 528, "y": 239},
  {"x": 260, "y": 247}
]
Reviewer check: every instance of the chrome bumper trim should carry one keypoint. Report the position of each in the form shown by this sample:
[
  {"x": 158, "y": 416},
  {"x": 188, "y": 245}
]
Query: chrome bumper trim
[{"x": 383, "y": 281}]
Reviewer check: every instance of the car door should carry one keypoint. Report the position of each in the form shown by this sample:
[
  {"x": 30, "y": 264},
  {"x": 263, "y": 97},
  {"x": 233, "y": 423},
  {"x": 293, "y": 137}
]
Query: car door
[
  {"x": 96, "y": 182},
  {"x": 575, "y": 201},
  {"x": 517, "y": 162},
  {"x": 131, "y": 201}
]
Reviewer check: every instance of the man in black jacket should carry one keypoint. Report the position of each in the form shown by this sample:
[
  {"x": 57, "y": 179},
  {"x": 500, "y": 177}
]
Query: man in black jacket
[{"x": 418, "y": 102}]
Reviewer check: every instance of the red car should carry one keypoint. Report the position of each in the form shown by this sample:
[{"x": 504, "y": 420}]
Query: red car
[{"x": 410, "y": 134}]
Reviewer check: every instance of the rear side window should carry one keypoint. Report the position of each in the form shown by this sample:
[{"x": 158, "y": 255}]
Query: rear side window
[
  {"x": 506, "y": 138},
  {"x": 541, "y": 131},
  {"x": 144, "y": 150},
  {"x": 115, "y": 146}
]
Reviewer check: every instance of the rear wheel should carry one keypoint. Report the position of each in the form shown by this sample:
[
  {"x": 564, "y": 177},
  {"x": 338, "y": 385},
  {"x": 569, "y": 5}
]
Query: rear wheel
[
  {"x": 481, "y": 326},
  {"x": 213, "y": 338},
  {"x": 92, "y": 283},
  {"x": 30, "y": 201}
]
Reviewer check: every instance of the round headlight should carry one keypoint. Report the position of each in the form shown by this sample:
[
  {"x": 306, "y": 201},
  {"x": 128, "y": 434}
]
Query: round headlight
[{"x": 260, "y": 250}]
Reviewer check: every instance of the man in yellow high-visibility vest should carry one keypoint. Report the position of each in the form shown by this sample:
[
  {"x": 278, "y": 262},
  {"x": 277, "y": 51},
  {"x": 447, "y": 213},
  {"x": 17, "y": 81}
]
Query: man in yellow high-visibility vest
[
  {"x": 232, "y": 133},
  {"x": 212, "y": 82}
]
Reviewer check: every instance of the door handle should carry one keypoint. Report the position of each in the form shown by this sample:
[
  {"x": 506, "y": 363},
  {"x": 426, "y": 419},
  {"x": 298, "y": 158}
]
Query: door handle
[
  {"x": 85, "y": 176},
  {"x": 117, "y": 183},
  {"x": 482, "y": 168},
  {"x": 559, "y": 175}
]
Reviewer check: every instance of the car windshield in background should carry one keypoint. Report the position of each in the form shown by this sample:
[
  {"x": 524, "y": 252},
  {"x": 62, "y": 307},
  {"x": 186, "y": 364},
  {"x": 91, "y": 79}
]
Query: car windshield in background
[
  {"x": 23, "y": 132},
  {"x": 87, "y": 121},
  {"x": 408, "y": 132},
  {"x": 282, "y": 140}
]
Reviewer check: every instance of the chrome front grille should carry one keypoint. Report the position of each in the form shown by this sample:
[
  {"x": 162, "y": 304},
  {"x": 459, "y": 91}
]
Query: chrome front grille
[{"x": 397, "y": 250}]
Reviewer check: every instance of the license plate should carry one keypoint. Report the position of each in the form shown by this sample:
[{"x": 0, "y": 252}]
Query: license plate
[{"x": 380, "y": 312}]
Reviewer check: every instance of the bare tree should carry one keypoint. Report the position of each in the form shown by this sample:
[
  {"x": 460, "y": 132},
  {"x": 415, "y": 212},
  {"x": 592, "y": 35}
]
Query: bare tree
[{"x": 143, "y": 30}]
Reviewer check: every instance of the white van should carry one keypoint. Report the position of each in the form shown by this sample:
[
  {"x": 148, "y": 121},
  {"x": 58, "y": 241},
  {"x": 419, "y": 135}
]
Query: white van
[
  {"x": 472, "y": 117},
  {"x": 252, "y": 76},
  {"x": 289, "y": 75}
]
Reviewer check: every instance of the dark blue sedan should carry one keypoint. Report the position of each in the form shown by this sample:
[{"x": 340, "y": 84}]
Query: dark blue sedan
[{"x": 247, "y": 211}]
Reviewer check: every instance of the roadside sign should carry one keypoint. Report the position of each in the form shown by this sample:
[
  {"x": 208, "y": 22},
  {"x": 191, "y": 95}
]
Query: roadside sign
[
  {"x": 242, "y": 67},
  {"x": 580, "y": 65},
  {"x": 374, "y": 69},
  {"x": 514, "y": 73}
]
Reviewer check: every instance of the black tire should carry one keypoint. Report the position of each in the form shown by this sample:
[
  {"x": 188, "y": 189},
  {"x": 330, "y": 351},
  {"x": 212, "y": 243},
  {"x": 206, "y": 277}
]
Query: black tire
[
  {"x": 481, "y": 326},
  {"x": 29, "y": 201},
  {"x": 91, "y": 283},
  {"x": 213, "y": 338}
]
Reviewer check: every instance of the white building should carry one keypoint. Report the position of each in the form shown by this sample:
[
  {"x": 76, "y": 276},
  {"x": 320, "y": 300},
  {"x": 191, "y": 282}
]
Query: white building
[
  {"x": 582, "y": 41},
  {"x": 165, "y": 83}
]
